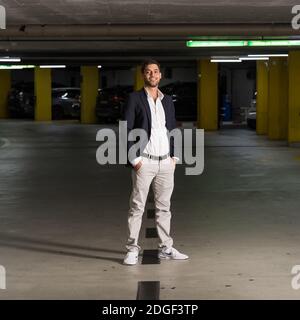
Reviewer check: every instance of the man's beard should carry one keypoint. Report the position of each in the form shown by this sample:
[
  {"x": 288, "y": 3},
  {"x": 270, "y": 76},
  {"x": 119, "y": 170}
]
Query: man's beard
[{"x": 149, "y": 84}]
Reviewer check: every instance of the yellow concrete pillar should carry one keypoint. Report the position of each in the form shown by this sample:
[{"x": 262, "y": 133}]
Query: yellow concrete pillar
[
  {"x": 138, "y": 79},
  {"x": 5, "y": 86},
  {"x": 207, "y": 95},
  {"x": 278, "y": 99},
  {"x": 294, "y": 97},
  {"x": 42, "y": 89},
  {"x": 262, "y": 88},
  {"x": 89, "y": 92}
]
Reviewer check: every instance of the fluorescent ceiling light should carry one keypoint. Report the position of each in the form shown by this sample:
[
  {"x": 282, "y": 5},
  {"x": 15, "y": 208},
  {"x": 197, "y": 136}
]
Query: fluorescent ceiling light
[
  {"x": 242, "y": 43},
  {"x": 52, "y": 66},
  {"x": 99, "y": 67},
  {"x": 8, "y": 59},
  {"x": 254, "y": 58},
  {"x": 269, "y": 55}
]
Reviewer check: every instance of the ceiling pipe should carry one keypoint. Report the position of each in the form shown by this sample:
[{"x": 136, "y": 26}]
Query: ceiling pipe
[{"x": 144, "y": 30}]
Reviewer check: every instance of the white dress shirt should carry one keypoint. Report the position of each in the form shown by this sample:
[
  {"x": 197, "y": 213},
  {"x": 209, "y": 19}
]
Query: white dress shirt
[{"x": 158, "y": 144}]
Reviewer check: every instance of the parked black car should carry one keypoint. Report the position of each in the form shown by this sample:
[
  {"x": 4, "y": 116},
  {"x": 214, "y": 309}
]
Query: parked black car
[
  {"x": 184, "y": 95},
  {"x": 251, "y": 113},
  {"x": 110, "y": 102},
  {"x": 65, "y": 101},
  {"x": 21, "y": 100}
]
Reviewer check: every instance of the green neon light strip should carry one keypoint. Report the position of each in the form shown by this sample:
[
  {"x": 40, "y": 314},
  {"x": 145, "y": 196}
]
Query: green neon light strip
[
  {"x": 241, "y": 43},
  {"x": 15, "y": 67},
  {"x": 233, "y": 43},
  {"x": 270, "y": 43}
]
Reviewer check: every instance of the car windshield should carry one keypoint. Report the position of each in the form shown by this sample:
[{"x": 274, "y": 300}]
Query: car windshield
[{"x": 66, "y": 94}]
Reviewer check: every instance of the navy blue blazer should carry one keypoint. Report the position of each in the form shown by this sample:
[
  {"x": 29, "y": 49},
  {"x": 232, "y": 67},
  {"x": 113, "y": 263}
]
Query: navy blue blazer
[{"x": 138, "y": 115}]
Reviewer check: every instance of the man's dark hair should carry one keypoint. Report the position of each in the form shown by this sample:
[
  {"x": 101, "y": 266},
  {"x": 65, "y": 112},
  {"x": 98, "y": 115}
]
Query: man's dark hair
[{"x": 146, "y": 63}]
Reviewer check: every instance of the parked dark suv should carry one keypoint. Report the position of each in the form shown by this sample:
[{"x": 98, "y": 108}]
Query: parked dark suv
[
  {"x": 65, "y": 101},
  {"x": 184, "y": 95},
  {"x": 110, "y": 102}
]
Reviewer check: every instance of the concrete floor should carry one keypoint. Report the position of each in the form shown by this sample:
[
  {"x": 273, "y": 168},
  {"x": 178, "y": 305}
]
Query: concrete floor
[{"x": 63, "y": 218}]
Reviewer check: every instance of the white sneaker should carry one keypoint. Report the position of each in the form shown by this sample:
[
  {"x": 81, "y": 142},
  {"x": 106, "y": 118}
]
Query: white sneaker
[
  {"x": 131, "y": 257},
  {"x": 171, "y": 253}
]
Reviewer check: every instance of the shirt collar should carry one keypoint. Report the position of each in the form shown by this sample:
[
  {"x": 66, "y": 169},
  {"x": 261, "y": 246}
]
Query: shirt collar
[{"x": 160, "y": 94}]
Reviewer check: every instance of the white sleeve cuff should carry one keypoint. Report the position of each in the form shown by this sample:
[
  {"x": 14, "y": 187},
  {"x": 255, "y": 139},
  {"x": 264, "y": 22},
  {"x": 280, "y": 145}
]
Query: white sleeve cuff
[{"x": 135, "y": 161}]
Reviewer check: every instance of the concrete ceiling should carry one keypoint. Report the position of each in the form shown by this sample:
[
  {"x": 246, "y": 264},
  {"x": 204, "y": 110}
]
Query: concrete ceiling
[
  {"x": 75, "y": 31},
  {"x": 146, "y": 11}
]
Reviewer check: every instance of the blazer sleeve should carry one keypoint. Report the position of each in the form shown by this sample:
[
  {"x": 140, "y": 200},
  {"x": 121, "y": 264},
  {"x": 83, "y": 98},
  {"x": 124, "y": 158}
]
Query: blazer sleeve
[
  {"x": 128, "y": 115},
  {"x": 173, "y": 125},
  {"x": 173, "y": 118}
]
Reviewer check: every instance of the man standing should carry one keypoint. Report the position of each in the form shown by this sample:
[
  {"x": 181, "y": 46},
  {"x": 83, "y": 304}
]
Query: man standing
[{"x": 154, "y": 163}]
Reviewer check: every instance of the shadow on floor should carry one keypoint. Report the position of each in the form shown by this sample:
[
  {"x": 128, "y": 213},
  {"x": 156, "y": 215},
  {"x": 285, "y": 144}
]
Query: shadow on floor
[{"x": 45, "y": 246}]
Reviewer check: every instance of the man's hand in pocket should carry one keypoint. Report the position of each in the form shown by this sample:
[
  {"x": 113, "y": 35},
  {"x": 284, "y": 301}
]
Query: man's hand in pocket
[{"x": 137, "y": 166}]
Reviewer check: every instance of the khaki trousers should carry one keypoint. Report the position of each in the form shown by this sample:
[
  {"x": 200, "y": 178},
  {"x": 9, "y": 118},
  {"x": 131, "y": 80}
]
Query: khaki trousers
[{"x": 161, "y": 175}]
